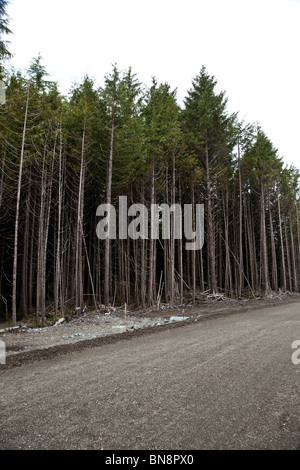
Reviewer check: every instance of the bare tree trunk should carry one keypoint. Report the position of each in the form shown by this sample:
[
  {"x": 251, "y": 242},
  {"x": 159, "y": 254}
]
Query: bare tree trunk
[
  {"x": 274, "y": 261},
  {"x": 58, "y": 295},
  {"x": 15, "y": 263},
  {"x": 108, "y": 201},
  {"x": 228, "y": 271},
  {"x": 193, "y": 254},
  {"x": 180, "y": 263},
  {"x": 79, "y": 232},
  {"x": 166, "y": 250},
  {"x": 241, "y": 261},
  {"x": 288, "y": 257},
  {"x": 44, "y": 238},
  {"x": 293, "y": 256},
  {"x": 166, "y": 271},
  {"x": 143, "y": 259},
  {"x": 283, "y": 270},
  {"x": 263, "y": 246},
  {"x": 152, "y": 241},
  {"x": 2, "y": 175},
  {"x": 210, "y": 229},
  {"x": 127, "y": 279},
  {"x": 298, "y": 238},
  {"x": 252, "y": 248},
  {"x": 31, "y": 260},
  {"x": 24, "y": 290},
  {"x": 41, "y": 234},
  {"x": 172, "y": 240}
]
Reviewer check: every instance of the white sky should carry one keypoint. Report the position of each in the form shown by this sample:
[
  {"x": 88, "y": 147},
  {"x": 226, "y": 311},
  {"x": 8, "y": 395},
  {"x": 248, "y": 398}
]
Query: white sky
[{"x": 250, "y": 46}]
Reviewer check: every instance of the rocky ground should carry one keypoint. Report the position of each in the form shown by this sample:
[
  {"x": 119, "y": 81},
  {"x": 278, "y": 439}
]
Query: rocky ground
[
  {"x": 87, "y": 326},
  {"x": 95, "y": 325}
]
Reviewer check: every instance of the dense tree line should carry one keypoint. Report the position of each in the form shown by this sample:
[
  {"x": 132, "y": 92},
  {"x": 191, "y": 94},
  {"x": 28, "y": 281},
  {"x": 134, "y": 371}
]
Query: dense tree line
[{"x": 63, "y": 157}]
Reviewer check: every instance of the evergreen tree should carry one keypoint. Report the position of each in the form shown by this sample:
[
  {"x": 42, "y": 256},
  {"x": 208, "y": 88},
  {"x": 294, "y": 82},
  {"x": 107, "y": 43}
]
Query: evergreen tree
[
  {"x": 209, "y": 131},
  {"x": 4, "y": 30},
  {"x": 261, "y": 158},
  {"x": 61, "y": 158}
]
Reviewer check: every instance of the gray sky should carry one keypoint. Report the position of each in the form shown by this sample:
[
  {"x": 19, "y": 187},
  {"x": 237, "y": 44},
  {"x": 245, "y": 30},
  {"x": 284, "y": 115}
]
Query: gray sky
[{"x": 250, "y": 46}]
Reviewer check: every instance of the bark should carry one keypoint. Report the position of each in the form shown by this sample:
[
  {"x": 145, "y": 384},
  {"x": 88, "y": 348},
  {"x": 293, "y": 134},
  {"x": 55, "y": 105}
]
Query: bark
[
  {"x": 210, "y": 228},
  {"x": 180, "y": 261},
  {"x": 241, "y": 261},
  {"x": 15, "y": 262},
  {"x": 273, "y": 249},
  {"x": 263, "y": 243},
  {"x": 58, "y": 295},
  {"x": 151, "y": 242},
  {"x": 283, "y": 268},
  {"x": 293, "y": 256},
  {"x": 107, "y": 255},
  {"x": 79, "y": 232}
]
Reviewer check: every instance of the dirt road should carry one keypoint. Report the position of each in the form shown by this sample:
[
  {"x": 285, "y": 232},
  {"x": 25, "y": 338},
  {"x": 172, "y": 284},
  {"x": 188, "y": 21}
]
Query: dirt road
[{"x": 223, "y": 383}]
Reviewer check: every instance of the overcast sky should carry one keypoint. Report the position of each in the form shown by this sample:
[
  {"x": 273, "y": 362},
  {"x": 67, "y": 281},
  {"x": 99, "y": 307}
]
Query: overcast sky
[{"x": 250, "y": 46}]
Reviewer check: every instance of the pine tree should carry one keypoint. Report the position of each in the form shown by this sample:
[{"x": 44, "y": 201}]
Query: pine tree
[
  {"x": 209, "y": 133},
  {"x": 261, "y": 158},
  {"x": 4, "y": 30}
]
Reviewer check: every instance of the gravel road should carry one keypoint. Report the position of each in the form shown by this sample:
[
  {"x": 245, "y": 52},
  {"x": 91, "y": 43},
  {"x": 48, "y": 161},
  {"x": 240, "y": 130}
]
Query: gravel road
[{"x": 223, "y": 383}]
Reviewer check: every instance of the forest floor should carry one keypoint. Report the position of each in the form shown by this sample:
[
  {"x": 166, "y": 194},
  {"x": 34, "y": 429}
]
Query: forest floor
[{"x": 28, "y": 343}]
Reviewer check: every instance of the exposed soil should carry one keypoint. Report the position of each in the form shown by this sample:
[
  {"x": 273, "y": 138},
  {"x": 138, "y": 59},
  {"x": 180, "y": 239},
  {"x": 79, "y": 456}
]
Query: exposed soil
[{"x": 28, "y": 344}]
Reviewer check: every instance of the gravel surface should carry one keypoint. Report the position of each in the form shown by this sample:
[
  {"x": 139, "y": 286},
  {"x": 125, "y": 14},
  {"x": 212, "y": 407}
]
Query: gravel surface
[
  {"x": 93, "y": 326},
  {"x": 222, "y": 382},
  {"x": 87, "y": 327}
]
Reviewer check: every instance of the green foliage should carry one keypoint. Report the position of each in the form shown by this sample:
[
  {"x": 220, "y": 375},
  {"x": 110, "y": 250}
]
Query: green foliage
[
  {"x": 200, "y": 151},
  {"x": 4, "y": 30},
  {"x": 206, "y": 123},
  {"x": 260, "y": 161},
  {"x": 161, "y": 115}
]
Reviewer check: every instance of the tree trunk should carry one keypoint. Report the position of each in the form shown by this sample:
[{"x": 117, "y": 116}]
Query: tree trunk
[
  {"x": 15, "y": 263},
  {"x": 293, "y": 256},
  {"x": 58, "y": 295},
  {"x": 263, "y": 243},
  {"x": 274, "y": 260},
  {"x": 241, "y": 261},
  {"x": 108, "y": 201},
  {"x": 79, "y": 232},
  {"x": 210, "y": 228},
  {"x": 283, "y": 269},
  {"x": 152, "y": 241}
]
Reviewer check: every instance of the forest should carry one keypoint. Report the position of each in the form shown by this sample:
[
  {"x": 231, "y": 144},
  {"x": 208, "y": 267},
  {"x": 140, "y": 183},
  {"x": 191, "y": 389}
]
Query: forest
[{"x": 63, "y": 156}]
